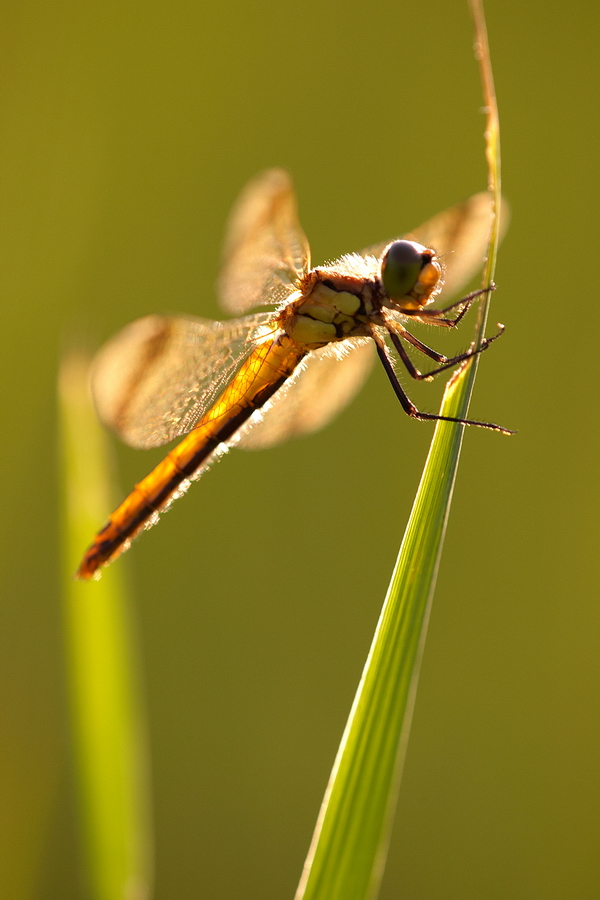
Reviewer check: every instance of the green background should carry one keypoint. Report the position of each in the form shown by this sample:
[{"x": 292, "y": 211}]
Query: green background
[{"x": 127, "y": 131}]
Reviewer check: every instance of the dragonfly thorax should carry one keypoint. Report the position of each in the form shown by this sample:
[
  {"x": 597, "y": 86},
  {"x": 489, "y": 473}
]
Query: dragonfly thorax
[{"x": 332, "y": 307}]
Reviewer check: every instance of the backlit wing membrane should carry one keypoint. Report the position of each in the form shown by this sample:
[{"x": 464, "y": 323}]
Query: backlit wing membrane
[
  {"x": 156, "y": 378},
  {"x": 266, "y": 252},
  {"x": 324, "y": 382},
  {"x": 159, "y": 375},
  {"x": 459, "y": 236}
]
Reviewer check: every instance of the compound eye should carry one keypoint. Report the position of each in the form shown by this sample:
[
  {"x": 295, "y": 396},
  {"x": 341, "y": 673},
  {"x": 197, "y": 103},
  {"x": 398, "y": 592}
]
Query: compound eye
[{"x": 401, "y": 266}]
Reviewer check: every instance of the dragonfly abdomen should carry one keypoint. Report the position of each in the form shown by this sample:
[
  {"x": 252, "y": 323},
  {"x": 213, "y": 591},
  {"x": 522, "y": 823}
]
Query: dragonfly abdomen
[
  {"x": 269, "y": 365},
  {"x": 141, "y": 507}
]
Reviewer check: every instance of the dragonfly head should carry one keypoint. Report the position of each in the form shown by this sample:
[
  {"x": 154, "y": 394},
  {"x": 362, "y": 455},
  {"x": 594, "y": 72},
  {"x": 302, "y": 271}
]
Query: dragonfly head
[{"x": 410, "y": 274}]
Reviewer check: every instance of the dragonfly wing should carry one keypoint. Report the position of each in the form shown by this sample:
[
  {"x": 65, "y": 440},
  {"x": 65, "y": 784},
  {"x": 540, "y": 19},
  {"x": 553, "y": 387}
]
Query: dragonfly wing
[
  {"x": 459, "y": 236},
  {"x": 324, "y": 382},
  {"x": 266, "y": 252},
  {"x": 156, "y": 378}
]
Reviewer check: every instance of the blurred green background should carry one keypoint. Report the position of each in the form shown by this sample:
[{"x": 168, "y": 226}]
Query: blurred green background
[{"x": 127, "y": 131}]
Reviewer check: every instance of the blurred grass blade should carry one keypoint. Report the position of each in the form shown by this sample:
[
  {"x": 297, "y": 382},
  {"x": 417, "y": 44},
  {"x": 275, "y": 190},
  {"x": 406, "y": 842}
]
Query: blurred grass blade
[
  {"x": 107, "y": 720},
  {"x": 347, "y": 854}
]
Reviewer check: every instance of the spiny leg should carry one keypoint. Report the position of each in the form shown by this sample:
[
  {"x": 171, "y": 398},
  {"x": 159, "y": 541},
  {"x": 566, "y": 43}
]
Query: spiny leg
[
  {"x": 447, "y": 362},
  {"x": 436, "y": 316},
  {"x": 409, "y": 407},
  {"x": 424, "y": 348}
]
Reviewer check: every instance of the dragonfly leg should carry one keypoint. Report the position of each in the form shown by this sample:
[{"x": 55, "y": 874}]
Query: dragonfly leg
[
  {"x": 438, "y": 316},
  {"x": 447, "y": 362},
  {"x": 409, "y": 407}
]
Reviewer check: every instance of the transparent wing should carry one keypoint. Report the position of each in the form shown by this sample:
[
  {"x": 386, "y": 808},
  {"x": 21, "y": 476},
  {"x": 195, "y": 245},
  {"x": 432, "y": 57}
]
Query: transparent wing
[
  {"x": 155, "y": 379},
  {"x": 459, "y": 236},
  {"x": 266, "y": 251},
  {"x": 325, "y": 381}
]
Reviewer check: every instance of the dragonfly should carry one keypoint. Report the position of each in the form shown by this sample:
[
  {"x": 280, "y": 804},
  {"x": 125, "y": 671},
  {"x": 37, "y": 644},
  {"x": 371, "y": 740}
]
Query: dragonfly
[{"x": 258, "y": 380}]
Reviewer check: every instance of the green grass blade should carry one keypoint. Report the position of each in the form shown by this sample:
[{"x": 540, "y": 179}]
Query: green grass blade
[
  {"x": 107, "y": 719},
  {"x": 347, "y": 854}
]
